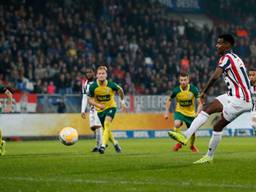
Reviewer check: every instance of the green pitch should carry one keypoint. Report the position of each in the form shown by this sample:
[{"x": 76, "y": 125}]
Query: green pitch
[{"x": 144, "y": 165}]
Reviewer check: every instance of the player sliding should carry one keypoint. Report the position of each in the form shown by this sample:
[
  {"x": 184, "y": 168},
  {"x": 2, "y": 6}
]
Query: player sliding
[
  {"x": 236, "y": 101},
  {"x": 94, "y": 121},
  {"x": 8, "y": 109},
  {"x": 102, "y": 96},
  {"x": 185, "y": 95},
  {"x": 252, "y": 77}
]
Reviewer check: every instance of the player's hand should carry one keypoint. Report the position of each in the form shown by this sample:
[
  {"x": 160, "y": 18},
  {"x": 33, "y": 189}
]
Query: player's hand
[
  {"x": 101, "y": 106},
  {"x": 83, "y": 115},
  {"x": 166, "y": 115},
  {"x": 123, "y": 108}
]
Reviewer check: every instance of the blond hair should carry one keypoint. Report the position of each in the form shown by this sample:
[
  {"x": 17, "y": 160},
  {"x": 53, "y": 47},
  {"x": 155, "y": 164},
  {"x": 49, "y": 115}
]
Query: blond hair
[{"x": 102, "y": 67}]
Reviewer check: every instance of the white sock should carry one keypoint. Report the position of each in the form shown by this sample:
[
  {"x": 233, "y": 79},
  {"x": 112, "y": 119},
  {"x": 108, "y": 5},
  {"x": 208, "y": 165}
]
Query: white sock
[
  {"x": 216, "y": 138},
  {"x": 99, "y": 136},
  {"x": 198, "y": 122}
]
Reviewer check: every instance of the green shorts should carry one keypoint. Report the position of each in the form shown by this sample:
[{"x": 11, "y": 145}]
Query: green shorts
[
  {"x": 108, "y": 112},
  {"x": 186, "y": 119}
]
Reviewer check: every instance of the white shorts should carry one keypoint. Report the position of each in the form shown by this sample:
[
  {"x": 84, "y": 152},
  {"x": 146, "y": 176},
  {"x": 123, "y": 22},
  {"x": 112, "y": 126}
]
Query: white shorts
[
  {"x": 94, "y": 119},
  {"x": 233, "y": 107}
]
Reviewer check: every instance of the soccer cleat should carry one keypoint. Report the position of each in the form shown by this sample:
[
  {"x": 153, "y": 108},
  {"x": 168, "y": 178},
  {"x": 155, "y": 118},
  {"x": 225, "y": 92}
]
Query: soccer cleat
[
  {"x": 2, "y": 148},
  {"x": 177, "y": 147},
  {"x": 194, "y": 149},
  {"x": 178, "y": 137},
  {"x": 118, "y": 148},
  {"x": 101, "y": 150},
  {"x": 95, "y": 149},
  {"x": 204, "y": 159}
]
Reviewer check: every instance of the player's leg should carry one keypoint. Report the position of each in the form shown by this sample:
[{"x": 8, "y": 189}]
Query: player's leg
[
  {"x": 216, "y": 135},
  {"x": 102, "y": 116},
  {"x": 177, "y": 124},
  {"x": 96, "y": 127},
  {"x": 2, "y": 144},
  {"x": 177, "y": 127},
  {"x": 99, "y": 134},
  {"x": 214, "y": 141},
  {"x": 98, "y": 130},
  {"x": 192, "y": 146},
  {"x": 107, "y": 134},
  {"x": 213, "y": 107},
  {"x": 111, "y": 115},
  {"x": 232, "y": 109}
]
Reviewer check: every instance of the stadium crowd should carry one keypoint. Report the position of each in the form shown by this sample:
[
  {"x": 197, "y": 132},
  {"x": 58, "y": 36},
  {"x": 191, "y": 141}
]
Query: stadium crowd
[{"x": 46, "y": 47}]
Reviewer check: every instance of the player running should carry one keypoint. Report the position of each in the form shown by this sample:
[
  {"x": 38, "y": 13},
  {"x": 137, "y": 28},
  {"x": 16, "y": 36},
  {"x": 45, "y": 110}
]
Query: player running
[
  {"x": 236, "y": 101},
  {"x": 101, "y": 95},
  {"x": 8, "y": 93},
  {"x": 252, "y": 77},
  {"x": 94, "y": 121},
  {"x": 185, "y": 95}
]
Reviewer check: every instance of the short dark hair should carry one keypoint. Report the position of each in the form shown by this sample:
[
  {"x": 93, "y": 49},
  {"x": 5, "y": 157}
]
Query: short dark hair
[
  {"x": 90, "y": 68},
  {"x": 252, "y": 69},
  {"x": 228, "y": 38},
  {"x": 183, "y": 74}
]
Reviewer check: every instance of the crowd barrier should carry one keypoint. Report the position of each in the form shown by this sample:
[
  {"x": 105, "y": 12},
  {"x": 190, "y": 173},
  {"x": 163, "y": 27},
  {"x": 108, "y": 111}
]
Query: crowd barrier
[{"x": 125, "y": 125}]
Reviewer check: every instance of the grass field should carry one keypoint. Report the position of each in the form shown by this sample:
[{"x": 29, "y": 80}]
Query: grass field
[{"x": 144, "y": 165}]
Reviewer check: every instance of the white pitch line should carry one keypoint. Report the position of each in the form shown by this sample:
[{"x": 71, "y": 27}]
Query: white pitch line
[{"x": 109, "y": 182}]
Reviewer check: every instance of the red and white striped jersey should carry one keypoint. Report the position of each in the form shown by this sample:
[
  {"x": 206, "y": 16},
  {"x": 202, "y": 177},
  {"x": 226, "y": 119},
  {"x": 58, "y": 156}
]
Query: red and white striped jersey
[
  {"x": 235, "y": 76},
  {"x": 85, "y": 86},
  {"x": 253, "y": 91},
  {"x": 85, "y": 91}
]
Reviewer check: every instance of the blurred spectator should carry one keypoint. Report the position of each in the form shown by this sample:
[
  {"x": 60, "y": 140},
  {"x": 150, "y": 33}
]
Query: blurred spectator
[
  {"x": 142, "y": 46},
  {"x": 184, "y": 64},
  {"x": 51, "y": 89},
  {"x": 61, "y": 106}
]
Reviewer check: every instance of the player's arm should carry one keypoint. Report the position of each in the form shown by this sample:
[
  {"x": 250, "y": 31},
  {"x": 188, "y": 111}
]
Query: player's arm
[
  {"x": 120, "y": 92},
  {"x": 169, "y": 102},
  {"x": 92, "y": 101},
  {"x": 196, "y": 93},
  {"x": 84, "y": 105},
  {"x": 199, "y": 106},
  {"x": 217, "y": 73},
  {"x": 167, "y": 107}
]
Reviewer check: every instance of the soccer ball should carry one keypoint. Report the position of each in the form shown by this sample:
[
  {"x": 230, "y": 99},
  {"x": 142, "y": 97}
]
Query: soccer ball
[{"x": 68, "y": 136}]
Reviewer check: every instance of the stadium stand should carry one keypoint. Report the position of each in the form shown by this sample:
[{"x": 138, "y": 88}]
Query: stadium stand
[{"x": 46, "y": 47}]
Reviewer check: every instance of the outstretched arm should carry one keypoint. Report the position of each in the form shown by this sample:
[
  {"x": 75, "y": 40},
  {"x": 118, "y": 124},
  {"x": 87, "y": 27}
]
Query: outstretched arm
[
  {"x": 199, "y": 106},
  {"x": 217, "y": 73},
  {"x": 167, "y": 107},
  {"x": 120, "y": 92}
]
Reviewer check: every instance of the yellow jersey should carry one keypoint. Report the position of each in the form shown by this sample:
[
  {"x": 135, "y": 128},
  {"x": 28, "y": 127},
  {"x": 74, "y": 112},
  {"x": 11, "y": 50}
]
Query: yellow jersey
[
  {"x": 104, "y": 94},
  {"x": 185, "y": 100}
]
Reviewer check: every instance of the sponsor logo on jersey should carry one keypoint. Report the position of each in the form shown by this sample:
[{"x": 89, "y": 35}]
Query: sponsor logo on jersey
[{"x": 103, "y": 97}]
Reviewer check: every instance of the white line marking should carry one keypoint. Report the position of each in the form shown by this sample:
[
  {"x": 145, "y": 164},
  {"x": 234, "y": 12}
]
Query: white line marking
[{"x": 121, "y": 182}]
